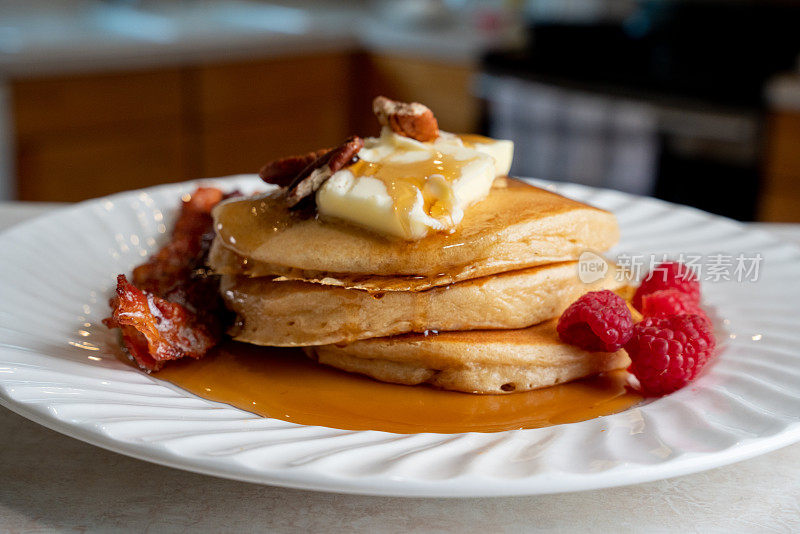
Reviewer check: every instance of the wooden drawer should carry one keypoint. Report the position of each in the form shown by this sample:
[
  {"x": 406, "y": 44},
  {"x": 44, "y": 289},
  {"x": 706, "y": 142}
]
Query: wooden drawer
[
  {"x": 780, "y": 208},
  {"x": 238, "y": 89},
  {"x": 64, "y": 104},
  {"x": 248, "y": 113},
  {"x": 780, "y": 198},
  {"x": 84, "y": 136},
  {"x": 232, "y": 146},
  {"x": 783, "y": 144},
  {"x": 85, "y": 166},
  {"x": 445, "y": 88}
]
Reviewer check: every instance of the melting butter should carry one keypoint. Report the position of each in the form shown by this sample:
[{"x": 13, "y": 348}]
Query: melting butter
[{"x": 405, "y": 188}]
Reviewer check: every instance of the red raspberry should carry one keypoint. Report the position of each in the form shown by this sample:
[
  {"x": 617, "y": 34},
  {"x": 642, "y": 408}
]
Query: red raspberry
[
  {"x": 668, "y": 302},
  {"x": 668, "y": 275},
  {"x": 668, "y": 352},
  {"x": 599, "y": 321}
]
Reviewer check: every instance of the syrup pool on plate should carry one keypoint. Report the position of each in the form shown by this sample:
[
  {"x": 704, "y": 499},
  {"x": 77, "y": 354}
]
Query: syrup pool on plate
[{"x": 284, "y": 384}]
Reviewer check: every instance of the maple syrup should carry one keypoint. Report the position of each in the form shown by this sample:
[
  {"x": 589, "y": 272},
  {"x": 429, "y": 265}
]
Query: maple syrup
[
  {"x": 470, "y": 140},
  {"x": 404, "y": 181},
  {"x": 284, "y": 384}
]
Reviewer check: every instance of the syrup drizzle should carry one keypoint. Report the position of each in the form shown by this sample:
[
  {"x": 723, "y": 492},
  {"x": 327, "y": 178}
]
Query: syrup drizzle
[
  {"x": 284, "y": 384},
  {"x": 470, "y": 140},
  {"x": 405, "y": 180}
]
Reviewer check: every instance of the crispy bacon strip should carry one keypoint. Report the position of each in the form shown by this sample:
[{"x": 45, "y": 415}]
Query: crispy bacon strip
[
  {"x": 187, "y": 247},
  {"x": 155, "y": 330},
  {"x": 173, "y": 308}
]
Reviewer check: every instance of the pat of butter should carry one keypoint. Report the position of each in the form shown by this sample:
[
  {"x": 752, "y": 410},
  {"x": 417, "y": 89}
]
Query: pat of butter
[
  {"x": 501, "y": 150},
  {"x": 405, "y": 188}
]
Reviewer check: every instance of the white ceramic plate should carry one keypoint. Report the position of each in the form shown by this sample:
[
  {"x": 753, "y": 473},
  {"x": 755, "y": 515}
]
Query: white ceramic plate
[{"x": 57, "y": 367}]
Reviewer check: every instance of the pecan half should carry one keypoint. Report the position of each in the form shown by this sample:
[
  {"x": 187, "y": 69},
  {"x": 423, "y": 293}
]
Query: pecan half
[
  {"x": 314, "y": 175},
  {"x": 282, "y": 172},
  {"x": 300, "y": 176},
  {"x": 412, "y": 120}
]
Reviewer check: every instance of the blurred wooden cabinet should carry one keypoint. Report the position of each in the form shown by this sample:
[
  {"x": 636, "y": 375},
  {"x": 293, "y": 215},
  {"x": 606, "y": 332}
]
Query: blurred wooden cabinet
[
  {"x": 83, "y": 136},
  {"x": 249, "y": 113},
  {"x": 780, "y": 195},
  {"x": 78, "y": 137},
  {"x": 89, "y": 164},
  {"x": 444, "y": 87}
]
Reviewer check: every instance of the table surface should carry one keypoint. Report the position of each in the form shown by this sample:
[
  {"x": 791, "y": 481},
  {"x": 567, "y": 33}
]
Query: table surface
[{"x": 54, "y": 483}]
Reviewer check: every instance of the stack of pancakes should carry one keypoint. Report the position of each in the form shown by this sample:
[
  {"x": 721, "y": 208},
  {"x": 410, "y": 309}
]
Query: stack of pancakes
[{"x": 471, "y": 311}]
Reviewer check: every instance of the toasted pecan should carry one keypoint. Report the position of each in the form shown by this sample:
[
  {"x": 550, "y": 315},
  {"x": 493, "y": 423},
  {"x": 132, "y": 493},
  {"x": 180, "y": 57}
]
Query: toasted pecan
[
  {"x": 314, "y": 175},
  {"x": 412, "y": 120},
  {"x": 282, "y": 172},
  {"x": 300, "y": 176}
]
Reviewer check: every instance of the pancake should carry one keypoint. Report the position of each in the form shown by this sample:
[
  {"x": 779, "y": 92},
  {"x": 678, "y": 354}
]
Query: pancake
[
  {"x": 286, "y": 314},
  {"x": 516, "y": 226},
  {"x": 479, "y": 361},
  {"x": 227, "y": 262}
]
